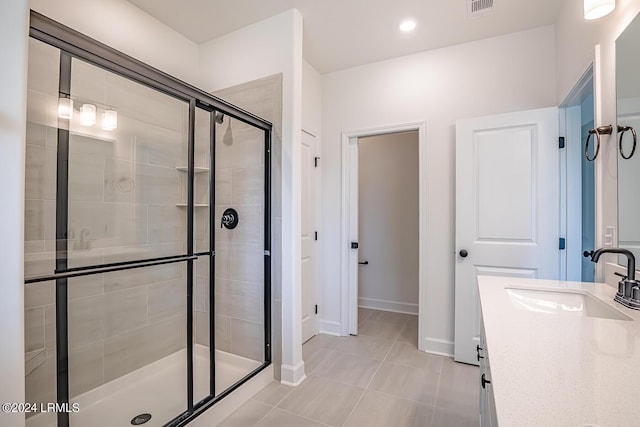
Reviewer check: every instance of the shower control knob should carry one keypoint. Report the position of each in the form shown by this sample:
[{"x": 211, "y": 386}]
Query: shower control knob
[
  {"x": 463, "y": 253},
  {"x": 229, "y": 219}
]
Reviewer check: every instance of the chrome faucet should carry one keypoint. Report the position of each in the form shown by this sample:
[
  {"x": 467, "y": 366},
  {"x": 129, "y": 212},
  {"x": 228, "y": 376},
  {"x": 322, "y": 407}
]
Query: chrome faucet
[{"x": 628, "y": 288}]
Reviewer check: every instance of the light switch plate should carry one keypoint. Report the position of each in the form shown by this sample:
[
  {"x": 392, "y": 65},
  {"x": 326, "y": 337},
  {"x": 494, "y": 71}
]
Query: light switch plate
[{"x": 610, "y": 237}]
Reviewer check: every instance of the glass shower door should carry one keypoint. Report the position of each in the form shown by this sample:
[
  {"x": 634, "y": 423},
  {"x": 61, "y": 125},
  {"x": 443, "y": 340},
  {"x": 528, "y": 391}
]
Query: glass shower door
[
  {"x": 203, "y": 235},
  {"x": 230, "y": 285},
  {"x": 39, "y": 233},
  {"x": 126, "y": 202},
  {"x": 239, "y": 278}
]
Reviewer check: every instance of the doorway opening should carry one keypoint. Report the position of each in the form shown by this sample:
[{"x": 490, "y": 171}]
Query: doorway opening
[
  {"x": 579, "y": 183},
  {"x": 383, "y": 231},
  {"x": 388, "y": 222}
]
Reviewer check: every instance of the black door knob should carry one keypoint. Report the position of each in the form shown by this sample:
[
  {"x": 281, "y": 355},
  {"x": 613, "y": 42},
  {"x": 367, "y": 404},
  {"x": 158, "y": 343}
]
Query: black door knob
[{"x": 463, "y": 253}]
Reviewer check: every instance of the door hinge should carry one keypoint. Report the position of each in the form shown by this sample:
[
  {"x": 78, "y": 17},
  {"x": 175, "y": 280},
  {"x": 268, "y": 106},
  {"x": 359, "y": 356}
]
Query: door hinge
[
  {"x": 562, "y": 244},
  {"x": 315, "y": 161},
  {"x": 316, "y": 308},
  {"x": 315, "y": 236},
  {"x": 561, "y": 142}
]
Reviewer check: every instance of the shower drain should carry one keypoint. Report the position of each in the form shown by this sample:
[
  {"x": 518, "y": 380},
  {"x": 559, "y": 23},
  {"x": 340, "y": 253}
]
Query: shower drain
[{"x": 140, "y": 419}]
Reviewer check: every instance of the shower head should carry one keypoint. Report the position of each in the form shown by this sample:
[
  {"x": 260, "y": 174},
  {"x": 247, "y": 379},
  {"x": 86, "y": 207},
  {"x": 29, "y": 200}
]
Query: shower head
[
  {"x": 219, "y": 117},
  {"x": 227, "y": 139}
]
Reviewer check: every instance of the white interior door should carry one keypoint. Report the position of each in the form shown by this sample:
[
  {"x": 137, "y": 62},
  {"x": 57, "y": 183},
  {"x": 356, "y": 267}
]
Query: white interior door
[
  {"x": 309, "y": 315},
  {"x": 507, "y": 208}
]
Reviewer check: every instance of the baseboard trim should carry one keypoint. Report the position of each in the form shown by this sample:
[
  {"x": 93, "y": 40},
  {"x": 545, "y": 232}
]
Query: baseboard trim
[
  {"x": 379, "y": 304},
  {"x": 438, "y": 346},
  {"x": 330, "y": 328},
  {"x": 292, "y": 375}
]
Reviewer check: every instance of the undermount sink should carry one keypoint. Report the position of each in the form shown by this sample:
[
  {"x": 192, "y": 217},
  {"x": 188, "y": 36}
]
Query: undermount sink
[{"x": 564, "y": 302}]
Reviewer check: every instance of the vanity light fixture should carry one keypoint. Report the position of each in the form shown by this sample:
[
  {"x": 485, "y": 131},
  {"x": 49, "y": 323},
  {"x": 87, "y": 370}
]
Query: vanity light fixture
[
  {"x": 407, "y": 25},
  {"x": 65, "y": 108},
  {"x": 110, "y": 120},
  {"x": 594, "y": 9},
  {"x": 87, "y": 115}
]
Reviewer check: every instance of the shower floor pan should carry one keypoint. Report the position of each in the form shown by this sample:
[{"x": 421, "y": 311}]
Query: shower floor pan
[{"x": 152, "y": 389}]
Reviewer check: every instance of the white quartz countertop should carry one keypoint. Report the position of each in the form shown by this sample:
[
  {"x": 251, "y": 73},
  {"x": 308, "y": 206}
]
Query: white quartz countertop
[{"x": 559, "y": 369}]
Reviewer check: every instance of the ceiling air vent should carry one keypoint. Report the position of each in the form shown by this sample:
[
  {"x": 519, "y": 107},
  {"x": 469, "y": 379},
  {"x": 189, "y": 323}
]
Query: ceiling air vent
[{"x": 479, "y": 7}]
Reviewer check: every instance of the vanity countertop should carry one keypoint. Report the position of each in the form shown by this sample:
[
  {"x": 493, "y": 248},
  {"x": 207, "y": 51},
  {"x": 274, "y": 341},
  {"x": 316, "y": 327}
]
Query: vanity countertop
[{"x": 560, "y": 369}]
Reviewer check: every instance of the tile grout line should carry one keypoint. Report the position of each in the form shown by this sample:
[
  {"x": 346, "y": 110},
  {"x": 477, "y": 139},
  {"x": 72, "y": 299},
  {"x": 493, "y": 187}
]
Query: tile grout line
[
  {"x": 274, "y": 406},
  {"x": 366, "y": 317},
  {"x": 417, "y": 402},
  {"x": 435, "y": 402},
  {"x": 301, "y": 416},
  {"x": 375, "y": 373},
  {"x": 279, "y": 400},
  {"x": 263, "y": 417}
]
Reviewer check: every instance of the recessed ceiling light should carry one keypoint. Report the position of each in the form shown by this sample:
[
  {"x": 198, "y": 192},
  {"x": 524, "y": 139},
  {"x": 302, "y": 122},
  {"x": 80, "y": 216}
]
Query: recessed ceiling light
[
  {"x": 594, "y": 9},
  {"x": 407, "y": 25}
]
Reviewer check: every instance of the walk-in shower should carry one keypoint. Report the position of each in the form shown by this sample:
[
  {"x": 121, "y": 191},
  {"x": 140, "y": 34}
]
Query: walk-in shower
[{"x": 142, "y": 305}]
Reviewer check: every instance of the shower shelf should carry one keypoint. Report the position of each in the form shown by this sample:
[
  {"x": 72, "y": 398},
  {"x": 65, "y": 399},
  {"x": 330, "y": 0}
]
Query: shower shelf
[{"x": 195, "y": 170}]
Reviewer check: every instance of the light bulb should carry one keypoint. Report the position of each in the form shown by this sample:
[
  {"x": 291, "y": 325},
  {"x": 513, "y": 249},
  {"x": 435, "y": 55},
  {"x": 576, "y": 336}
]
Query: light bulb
[
  {"x": 87, "y": 115},
  {"x": 110, "y": 120},
  {"x": 65, "y": 108}
]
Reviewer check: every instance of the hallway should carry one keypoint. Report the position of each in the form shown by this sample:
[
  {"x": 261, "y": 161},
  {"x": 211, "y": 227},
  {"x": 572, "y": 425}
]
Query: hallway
[{"x": 378, "y": 378}]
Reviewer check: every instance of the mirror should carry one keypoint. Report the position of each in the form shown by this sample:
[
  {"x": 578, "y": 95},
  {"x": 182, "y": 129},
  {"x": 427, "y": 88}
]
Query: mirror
[{"x": 628, "y": 116}]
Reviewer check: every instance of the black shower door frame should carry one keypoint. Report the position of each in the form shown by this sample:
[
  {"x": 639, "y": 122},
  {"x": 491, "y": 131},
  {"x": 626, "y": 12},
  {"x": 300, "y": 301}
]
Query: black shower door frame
[{"x": 73, "y": 44}]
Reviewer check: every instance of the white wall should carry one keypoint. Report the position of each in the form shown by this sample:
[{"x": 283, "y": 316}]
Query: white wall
[
  {"x": 508, "y": 73},
  {"x": 269, "y": 47},
  {"x": 13, "y": 86},
  {"x": 123, "y": 26},
  {"x": 250, "y": 53},
  {"x": 311, "y": 100},
  {"x": 388, "y": 207},
  {"x": 579, "y": 43}
]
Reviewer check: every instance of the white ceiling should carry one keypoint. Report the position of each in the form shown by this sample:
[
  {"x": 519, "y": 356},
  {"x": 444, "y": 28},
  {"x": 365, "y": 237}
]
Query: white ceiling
[{"x": 340, "y": 34}]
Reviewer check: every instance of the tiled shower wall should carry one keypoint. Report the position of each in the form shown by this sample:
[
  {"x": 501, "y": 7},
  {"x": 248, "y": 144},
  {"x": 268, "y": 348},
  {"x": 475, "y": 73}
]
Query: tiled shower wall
[
  {"x": 124, "y": 186},
  {"x": 239, "y": 287}
]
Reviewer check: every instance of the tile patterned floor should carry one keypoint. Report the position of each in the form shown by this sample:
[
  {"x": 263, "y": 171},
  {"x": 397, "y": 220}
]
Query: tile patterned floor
[{"x": 376, "y": 379}]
